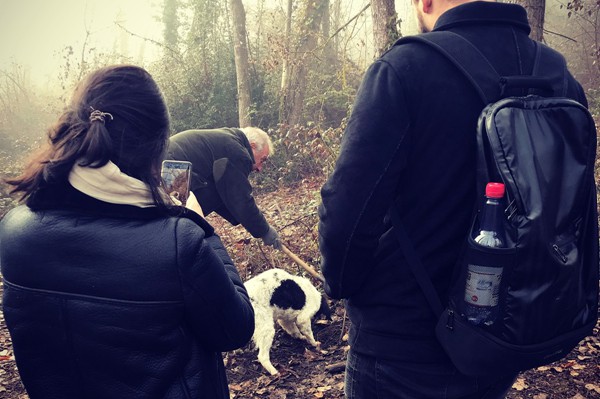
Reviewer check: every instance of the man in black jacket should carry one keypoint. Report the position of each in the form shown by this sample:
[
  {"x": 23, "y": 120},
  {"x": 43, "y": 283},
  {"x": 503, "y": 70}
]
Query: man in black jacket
[
  {"x": 222, "y": 160},
  {"x": 410, "y": 144}
]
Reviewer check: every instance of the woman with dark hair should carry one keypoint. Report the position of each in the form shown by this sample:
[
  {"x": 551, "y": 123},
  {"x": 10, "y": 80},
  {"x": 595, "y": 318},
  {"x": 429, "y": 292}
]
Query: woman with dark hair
[{"x": 110, "y": 290}]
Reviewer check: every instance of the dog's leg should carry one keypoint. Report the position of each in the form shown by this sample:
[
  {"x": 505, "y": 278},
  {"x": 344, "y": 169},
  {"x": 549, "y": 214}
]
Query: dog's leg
[
  {"x": 290, "y": 327},
  {"x": 306, "y": 330},
  {"x": 264, "y": 341}
]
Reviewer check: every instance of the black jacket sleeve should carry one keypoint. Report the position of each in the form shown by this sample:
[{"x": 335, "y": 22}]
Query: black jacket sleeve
[
  {"x": 231, "y": 180},
  {"x": 358, "y": 194},
  {"x": 217, "y": 305}
]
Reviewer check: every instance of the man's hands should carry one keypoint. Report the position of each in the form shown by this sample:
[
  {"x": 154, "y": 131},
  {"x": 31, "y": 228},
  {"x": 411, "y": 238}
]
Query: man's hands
[{"x": 272, "y": 238}]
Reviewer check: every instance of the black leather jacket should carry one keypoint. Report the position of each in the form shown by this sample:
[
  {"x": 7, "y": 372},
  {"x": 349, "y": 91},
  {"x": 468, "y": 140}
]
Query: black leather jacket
[
  {"x": 410, "y": 143},
  {"x": 114, "y": 301}
]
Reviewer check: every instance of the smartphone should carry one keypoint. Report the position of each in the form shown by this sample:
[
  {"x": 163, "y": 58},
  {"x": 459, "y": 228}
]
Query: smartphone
[{"x": 176, "y": 177}]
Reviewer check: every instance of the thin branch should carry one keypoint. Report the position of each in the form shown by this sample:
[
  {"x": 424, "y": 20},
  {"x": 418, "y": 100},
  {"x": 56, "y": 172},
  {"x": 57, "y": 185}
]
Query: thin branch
[
  {"x": 560, "y": 35},
  {"x": 349, "y": 22},
  {"x": 324, "y": 45},
  {"x": 82, "y": 62},
  {"x": 174, "y": 53},
  {"x": 12, "y": 79},
  {"x": 265, "y": 256},
  {"x": 293, "y": 222}
]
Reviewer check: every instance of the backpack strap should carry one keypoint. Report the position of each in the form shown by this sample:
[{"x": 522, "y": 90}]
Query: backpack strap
[
  {"x": 552, "y": 65},
  {"x": 549, "y": 71},
  {"x": 469, "y": 60}
]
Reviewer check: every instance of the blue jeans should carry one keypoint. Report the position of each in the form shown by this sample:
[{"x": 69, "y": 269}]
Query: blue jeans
[{"x": 372, "y": 378}]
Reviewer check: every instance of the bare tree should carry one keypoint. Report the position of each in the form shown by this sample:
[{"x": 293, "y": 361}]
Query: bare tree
[
  {"x": 326, "y": 24},
  {"x": 385, "y": 24},
  {"x": 286, "y": 66},
  {"x": 306, "y": 44},
  {"x": 171, "y": 23},
  {"x": 536, "y": 10},
  {"x": 240, "y": 46}
]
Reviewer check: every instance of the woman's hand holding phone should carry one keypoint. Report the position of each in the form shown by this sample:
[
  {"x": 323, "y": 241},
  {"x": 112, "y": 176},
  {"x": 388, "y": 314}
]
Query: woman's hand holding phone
[{"x": 193, "y": 204}]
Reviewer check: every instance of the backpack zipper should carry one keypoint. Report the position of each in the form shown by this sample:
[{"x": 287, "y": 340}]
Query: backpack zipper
[{"x": 560, "y": 253}]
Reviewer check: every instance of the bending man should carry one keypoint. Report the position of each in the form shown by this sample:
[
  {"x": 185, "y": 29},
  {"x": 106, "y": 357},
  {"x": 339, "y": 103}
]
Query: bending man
[{"x": 222, "y": 160}]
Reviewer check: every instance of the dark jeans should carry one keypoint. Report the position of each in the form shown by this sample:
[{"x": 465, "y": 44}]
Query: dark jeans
[{"x": 371, "y": 378}]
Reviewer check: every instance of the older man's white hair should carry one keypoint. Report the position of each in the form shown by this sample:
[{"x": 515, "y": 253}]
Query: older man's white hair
[{"x": 258, "y": 137}]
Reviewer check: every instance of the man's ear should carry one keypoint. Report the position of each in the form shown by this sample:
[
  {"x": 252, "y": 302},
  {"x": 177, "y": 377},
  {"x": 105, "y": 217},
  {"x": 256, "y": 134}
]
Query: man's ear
[
  {"x": 253, "y": 145},
  {"x": 427, "y": 6}
]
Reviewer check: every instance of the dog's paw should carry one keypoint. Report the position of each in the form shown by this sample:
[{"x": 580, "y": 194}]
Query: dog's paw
[{"x": 269, "y": 367}]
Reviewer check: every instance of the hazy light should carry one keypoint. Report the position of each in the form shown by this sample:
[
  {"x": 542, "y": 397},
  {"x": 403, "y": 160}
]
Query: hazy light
[{"x": 33, "y": 33}]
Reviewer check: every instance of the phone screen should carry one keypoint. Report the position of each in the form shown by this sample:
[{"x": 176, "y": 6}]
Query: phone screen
[{"x": 176, "y": 177}]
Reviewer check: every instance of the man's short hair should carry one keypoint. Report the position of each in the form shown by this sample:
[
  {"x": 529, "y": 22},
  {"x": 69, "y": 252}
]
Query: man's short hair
[{"x": 258, "y": 137}]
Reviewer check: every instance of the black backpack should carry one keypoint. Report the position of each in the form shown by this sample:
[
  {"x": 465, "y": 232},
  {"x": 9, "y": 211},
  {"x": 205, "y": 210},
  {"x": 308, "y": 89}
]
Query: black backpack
[{"x": 543, "y": 149}]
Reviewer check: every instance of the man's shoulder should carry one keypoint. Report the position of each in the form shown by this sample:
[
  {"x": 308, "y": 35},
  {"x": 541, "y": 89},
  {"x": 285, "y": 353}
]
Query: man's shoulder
[
  {"x": 216, "y": 141},
  {"x": 204, "y": 134},
  {"x": 409, "y": 54}
]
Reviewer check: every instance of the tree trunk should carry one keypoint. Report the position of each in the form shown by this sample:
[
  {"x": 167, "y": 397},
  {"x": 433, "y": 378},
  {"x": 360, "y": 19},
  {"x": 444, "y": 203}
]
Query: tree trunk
[
  {"x": 337, "y": 10},
  {"x": 242, "y": 67},
  {"x": 329, "y": 47},
  {"x": 385, "y": 30},
  {"x": 285, "y": 70},
  {"x": 307, "y": 42},
  {"x": 536, "y": 10},
  {"x": 171, "y": 23}
]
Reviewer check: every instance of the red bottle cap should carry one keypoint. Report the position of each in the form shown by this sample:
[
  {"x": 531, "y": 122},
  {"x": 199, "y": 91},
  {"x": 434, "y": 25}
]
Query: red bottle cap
[{"x": 494, "y": 190}]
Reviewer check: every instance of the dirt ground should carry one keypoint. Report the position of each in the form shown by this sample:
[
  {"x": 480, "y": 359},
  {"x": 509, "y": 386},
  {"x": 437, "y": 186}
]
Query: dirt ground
[{"x": 307, "y": 373}]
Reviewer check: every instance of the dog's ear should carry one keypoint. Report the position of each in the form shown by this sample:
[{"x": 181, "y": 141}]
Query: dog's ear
[{"x": 324, "y": 309}]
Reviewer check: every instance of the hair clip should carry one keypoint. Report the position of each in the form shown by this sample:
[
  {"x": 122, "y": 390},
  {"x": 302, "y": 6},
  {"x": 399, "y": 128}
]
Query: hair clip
[{"x": 97, "y": 115}]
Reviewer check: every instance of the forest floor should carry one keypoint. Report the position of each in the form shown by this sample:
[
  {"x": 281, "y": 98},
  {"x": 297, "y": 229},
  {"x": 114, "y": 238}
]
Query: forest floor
[{"x": 307, "y": 373}]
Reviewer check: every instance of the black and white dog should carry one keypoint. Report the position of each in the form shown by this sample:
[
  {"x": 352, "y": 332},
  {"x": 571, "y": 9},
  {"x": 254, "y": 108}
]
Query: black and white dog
[{"x": 290, "y": 300}]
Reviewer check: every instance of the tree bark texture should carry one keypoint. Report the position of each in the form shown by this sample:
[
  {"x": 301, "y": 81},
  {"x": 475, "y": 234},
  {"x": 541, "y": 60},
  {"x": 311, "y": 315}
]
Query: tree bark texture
[
  {"x": 286, "y": 66},
  {"x": 171, "y": 23},
  {"x": 536, "y": 11},
  {"x": 385, "y": 29},
  {"x": 307, "y": 42},
  {"x": 242, "y": 66}
]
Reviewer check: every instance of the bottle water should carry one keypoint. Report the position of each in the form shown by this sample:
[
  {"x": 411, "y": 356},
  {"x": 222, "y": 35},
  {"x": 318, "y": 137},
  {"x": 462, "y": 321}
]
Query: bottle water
[{"x": 483, "y": 281}]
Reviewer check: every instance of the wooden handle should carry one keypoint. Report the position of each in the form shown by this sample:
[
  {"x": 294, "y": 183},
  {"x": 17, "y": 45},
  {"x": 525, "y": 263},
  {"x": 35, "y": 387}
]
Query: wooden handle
[{"x": 304, "y": 265}]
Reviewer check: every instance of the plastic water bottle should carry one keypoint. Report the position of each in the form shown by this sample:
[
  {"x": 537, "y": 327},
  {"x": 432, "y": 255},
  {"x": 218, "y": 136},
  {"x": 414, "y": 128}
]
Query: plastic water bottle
[{"x": 483, "y": 281}]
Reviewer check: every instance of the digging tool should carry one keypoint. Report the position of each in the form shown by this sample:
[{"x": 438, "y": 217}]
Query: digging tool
[{"x": 304, "y": 265}]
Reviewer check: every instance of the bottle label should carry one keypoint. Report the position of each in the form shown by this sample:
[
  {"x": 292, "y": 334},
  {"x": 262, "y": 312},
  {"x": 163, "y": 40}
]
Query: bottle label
[{"x": 483, "y": 285}]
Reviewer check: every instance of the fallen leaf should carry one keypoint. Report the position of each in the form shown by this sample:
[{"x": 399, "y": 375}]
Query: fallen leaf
[
  {"x": 568, "y": 364},
  {"x": 540, "y": 396},
  {"x": 592, "y": 387},
  {"x": 558, "y": 369},
  {"x": 520, "y": 384}
]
